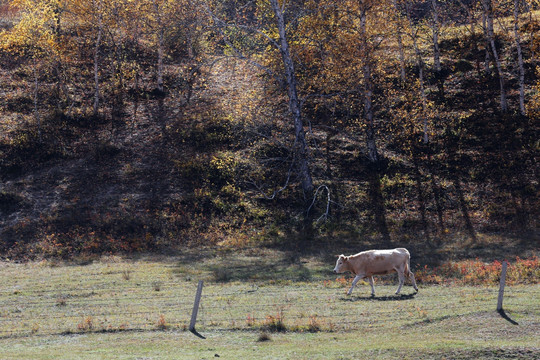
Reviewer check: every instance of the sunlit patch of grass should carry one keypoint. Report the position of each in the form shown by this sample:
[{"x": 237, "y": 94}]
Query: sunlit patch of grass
[{"x": 105, "y": 312}]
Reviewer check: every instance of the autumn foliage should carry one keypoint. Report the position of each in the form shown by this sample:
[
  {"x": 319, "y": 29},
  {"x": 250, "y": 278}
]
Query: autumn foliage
[
  {"x": 149, "y": 125},
  {"x": 476, "y": 272},
  {"x": 465, "y": 272}
]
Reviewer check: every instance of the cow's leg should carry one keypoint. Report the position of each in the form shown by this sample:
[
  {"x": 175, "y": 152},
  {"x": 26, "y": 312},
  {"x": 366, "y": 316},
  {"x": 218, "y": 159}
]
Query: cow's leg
[
  {"x": 356, "y": 279},
  {"x": 411, "y": 276},
  {"x": 401, "y": 280},
  {"x": 371, "y": 283}
]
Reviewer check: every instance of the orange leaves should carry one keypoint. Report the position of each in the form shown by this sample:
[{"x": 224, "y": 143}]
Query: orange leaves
[
  {"x": 476, "y": 272},
  {"x": 33, "y": 33}
]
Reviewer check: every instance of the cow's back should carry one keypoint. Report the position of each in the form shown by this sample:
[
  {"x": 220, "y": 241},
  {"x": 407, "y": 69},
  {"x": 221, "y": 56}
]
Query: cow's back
[
  {"x": 379, "y": 262},
  {"x": 403, "y": 251}
]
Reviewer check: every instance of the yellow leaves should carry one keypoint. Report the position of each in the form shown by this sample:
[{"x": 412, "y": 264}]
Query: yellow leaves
[
  {"x": 33, "y": 33},
  {"x": 533, "y": 105}
]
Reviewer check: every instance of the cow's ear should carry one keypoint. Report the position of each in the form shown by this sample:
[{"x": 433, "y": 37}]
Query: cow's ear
[{"x": 340, "y": 256}]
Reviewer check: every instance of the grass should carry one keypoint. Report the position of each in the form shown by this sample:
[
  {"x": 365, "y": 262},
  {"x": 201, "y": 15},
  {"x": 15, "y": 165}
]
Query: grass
[{"x": 294, "y": 304}]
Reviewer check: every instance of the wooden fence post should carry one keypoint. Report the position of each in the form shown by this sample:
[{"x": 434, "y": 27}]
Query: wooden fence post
[
  {"x": 196, "y": 310},
  {"x": 501, "y": 287}
]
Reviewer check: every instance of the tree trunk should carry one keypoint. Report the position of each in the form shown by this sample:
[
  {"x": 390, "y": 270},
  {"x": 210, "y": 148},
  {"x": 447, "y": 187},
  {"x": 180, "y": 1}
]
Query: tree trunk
[
  {"x": 520, "y": 59},
  {"x": 487, "y": 45},
  {"x": 421, "y": 196},
  {"x": 36, "y": 100},
  {"x": 437, "y": 194},
  {"x": 97, "y": 7},
  {"x": 57, "y": 10},
  {"x": 368, "y": 92},
  {"x": 400, "y": 43},
  {"x": 420, "y": 64},
  {"x": 401, "y": 57},
  {"x": 435, "y": 30},
  {"x": 471, "y": 23},
  {"x": 377, "y": 205},
  {"x": 464, "y": 208},
  {"x": 294, "y": 103},
  {"x": 488, "y": 9},
  {"x": 160, "y": 47}
]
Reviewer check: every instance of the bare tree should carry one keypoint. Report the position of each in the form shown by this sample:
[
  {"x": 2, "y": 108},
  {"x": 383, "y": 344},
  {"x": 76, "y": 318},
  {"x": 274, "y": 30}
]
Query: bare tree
[
  {"x": 399, "y": 37},
  {"x": 36, "y": 99},
  {"x": 287, "y": 77},
  {"x": 98, "y": 9},
  {"x": 160, "y": 34},
  {"x": 471, "y": 19},
  {"x": 294, "y": 104},
  {"x": 435, "y": 30},
  {"x": 368, "y": 87},
  {"x": 488, "y": 11},
  {"x": 517, "y": 39},
  {"x": 420, "y": 64}
]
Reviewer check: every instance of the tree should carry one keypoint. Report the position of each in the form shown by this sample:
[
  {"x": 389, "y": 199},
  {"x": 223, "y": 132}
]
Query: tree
[
  {"x": 272, "y": 29},
  {"x": 490, "y": 34},
  {"x": 294, "y": 103},
  {"x": 98, "y": 20},
  {"x": 469, "y": 9},
  {"x": 366, "y": 52},
  {"x": 421, "y": 67},
  {"x": 435, "y": 30},
  {"x": 397, "y": 19},
  {"x": 347, "y": 65},
  {"x": 33, "y": 37},
  {"x": 517, "y": 39}
]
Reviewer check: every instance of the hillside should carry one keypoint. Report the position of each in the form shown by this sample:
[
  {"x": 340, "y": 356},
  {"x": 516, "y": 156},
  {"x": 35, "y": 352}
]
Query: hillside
[{"x": 209, "y": 159}]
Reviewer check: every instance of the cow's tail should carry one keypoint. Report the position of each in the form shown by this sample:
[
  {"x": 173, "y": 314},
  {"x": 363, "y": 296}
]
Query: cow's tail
[
  {"x": 408, "y": 271},
  {"x": 407, "y": 263},
  {"x": 408, "y": 267}
]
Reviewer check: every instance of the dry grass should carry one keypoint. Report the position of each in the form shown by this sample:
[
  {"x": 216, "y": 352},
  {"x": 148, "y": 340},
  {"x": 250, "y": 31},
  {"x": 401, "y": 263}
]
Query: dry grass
[{"x": 298, "y": 305}]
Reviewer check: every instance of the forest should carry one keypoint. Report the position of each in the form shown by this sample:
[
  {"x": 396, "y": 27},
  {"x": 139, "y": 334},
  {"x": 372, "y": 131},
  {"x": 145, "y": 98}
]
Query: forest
[{"x": 130, "y": 126}]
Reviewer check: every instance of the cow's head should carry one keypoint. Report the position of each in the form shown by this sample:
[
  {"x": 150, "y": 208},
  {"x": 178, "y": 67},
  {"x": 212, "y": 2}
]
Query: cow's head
[{"x": 341, "y": 264}]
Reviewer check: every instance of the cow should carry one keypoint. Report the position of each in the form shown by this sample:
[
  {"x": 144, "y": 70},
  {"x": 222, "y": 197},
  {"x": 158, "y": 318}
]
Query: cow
[{"x": 376, "y": 262}]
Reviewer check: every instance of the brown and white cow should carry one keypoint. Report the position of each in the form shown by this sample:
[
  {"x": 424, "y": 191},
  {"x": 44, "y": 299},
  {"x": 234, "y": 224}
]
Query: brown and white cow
[{"x": 376, "y": 262}]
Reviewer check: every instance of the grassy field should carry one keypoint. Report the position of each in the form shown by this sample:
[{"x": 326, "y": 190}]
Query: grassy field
[{"x": 259, "y": 304}]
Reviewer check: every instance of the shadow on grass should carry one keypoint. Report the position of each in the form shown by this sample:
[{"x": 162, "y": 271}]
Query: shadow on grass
[
  {"x": 400, "y": 297},
  {"x": 506, "y": 317},
  {"x": 284, "y": 261},
  {"x": 282, "y": 270},
  {"x": 254, "y": 265}
]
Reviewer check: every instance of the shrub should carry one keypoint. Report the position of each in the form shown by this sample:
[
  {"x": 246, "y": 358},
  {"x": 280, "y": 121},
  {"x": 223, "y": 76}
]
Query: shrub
[
  {"x": 87, "y": 324},
  {"x": 476, "y": 272},
  {"x": 314, "y": 325},
  {"x": 222, "y": 169},
  {"x": 215, "y": 171},
  {"x": 210, "y": 132},
  {"x": 161, "y": 323},
  {"x": 264, "y": 336},
  {"x": 275, "y": 323}
]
